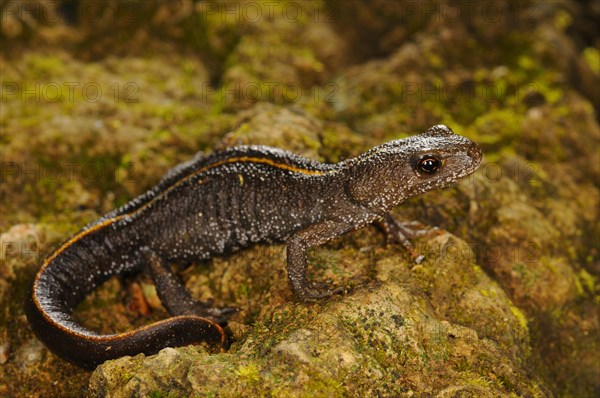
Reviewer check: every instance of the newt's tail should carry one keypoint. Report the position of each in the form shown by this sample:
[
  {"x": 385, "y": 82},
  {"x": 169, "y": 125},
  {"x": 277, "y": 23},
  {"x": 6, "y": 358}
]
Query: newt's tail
[
  {"x": 76, "y": 269},
  {"x": 59, "y": 332}
]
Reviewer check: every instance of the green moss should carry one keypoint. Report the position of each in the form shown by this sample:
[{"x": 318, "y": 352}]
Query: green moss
[
  {"x": 528, "y": 277},
  {"x": 249, "y": 373},
  {"x": 476, "y": 379},
  {"x": 591, "y": 56},
  {"x": 163, "y": 394},
  {"x": 552, "y": 93},
  {"x": 586, "y": 283},
  {"x": 317, "y": 386},
  {"x": 44, "y": 67},
  {"x": 521, "y": 318},
  {"x": 579, "y": 287},
  {"x": 562, "y": 19},
  {"x": 496, "y": 131}
]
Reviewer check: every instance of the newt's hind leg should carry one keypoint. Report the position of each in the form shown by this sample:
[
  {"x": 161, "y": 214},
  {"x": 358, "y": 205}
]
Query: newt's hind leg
[{"x": 175, "y": 296}]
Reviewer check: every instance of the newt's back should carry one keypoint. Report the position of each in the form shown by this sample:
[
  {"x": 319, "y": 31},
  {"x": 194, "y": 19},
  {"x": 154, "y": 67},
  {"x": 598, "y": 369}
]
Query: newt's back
[{"x": 230, "y": 200}]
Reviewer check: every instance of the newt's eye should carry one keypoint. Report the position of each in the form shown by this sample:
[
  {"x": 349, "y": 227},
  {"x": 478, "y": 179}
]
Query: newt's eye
[{"x": 428, "y": 164}]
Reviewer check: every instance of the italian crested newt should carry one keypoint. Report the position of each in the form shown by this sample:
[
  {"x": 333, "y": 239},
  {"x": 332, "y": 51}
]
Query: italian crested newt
[{"x": 218, "y": 204}]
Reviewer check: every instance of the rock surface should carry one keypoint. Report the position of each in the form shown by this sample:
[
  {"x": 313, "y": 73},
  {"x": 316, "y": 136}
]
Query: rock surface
[{"x": 393, "y": 336}]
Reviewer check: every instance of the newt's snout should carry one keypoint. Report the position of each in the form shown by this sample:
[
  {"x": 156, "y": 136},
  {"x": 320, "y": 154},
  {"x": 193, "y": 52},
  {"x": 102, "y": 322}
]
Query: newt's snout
[{"x": 475, "y": 154}]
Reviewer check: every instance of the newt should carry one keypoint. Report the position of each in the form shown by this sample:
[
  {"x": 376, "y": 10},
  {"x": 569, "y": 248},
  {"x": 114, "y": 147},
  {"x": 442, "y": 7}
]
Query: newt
[{"x": 218, "y": 204}]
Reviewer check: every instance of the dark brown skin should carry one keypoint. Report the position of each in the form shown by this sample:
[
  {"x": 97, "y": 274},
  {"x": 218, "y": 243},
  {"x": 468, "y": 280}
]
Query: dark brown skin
[{"x": 216, "y": 205}]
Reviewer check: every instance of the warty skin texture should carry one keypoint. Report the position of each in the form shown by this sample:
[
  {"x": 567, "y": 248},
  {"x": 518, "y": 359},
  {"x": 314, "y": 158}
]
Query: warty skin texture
[{"x": 217, "y": 205}]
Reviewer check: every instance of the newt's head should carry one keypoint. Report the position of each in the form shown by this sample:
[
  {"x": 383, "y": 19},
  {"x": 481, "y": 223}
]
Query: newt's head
[{"x": 388, "y": 174}]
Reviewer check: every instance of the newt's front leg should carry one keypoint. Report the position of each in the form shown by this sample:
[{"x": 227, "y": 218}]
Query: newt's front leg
[
  {"x": 397, "y": 232},
  {"x": 297, "y": 247}
]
